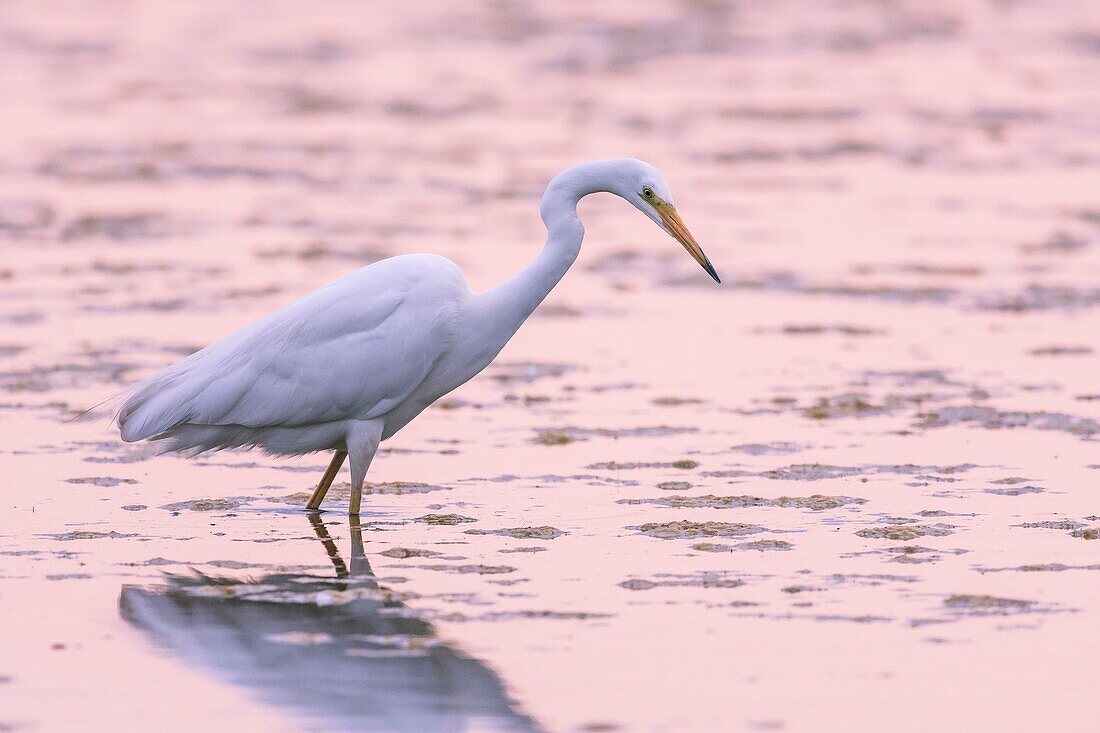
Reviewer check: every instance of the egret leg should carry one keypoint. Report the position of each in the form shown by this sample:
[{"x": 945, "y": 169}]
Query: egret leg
[
  {"x": 360, "y": 566},
  {"x": 326, "y": 480},
  {"x": 330, "y": 546},
  {"x": 362, "y": 440}
]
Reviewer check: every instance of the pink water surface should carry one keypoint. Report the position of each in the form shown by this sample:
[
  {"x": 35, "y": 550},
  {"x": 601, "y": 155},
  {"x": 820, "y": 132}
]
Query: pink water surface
[{"x": 854, "y": 488}]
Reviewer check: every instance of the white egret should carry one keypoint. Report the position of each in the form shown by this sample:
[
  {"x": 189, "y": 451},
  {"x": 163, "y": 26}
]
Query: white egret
[{"x": 350, "y": 364}]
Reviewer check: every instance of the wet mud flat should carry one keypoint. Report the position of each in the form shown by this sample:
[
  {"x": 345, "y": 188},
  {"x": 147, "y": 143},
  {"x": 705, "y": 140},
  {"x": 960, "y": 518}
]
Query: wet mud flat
[{"x": 854, "y": 487}]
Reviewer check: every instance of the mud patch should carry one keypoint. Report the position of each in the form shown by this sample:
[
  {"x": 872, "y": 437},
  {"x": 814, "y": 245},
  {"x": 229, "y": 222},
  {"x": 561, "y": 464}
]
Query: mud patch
[
  {"x": 1014, "y": 490},
  {"x": 1061, "y": 351},
  {"x": 906, "y": 532},
  {"x": 65, "y": 376},
  {"x": 521, "y": 533},
  {"x": 790, "y": 282},
  {"x": 444, "y": 519},
  {"x": 820, "y": 472},
  {"x": 1049, "y": 567},
  {"x": 533, "y": 614},
  {"x": 983, "y": 605},
  {"x": 913, "y": 554},
  {"x": 82, "y": 534},
  {"x": 471, "y": 569},
  {"x": 553, "y": 437},
  {"x": 399, "y": 488},
  {"x": 118, "y": 228},
  {"x": 992, "y": 419},
  {"x": 685, "y": 464},
  {"x": 1064, "y": 524},
  {"x": 666, "y": 580},
  {"x": 812, "y": 472},
  {"x": 758, "y": 545},
  {"x": 102, "y": 481},
  {"x": 850, "y": 405},
  {"x": 1035, "y": 298},
  {"x": 817, "y": 329},
  {"x": 205, "y": 505},
  {"x": 760, "y": 449},
  {"x": 562, "y": 436},
  {"x": 676, "y": 401},
  {"x": 689, "y": 530},
  {"x": 402, "y": 553}
]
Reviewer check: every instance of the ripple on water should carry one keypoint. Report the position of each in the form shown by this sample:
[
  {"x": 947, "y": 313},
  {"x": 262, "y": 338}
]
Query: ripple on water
[{"x": 816, "y": 502}]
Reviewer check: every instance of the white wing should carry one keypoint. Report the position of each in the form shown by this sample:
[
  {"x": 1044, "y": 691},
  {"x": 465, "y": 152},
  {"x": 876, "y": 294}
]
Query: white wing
[{"x": 352, "y": 349}]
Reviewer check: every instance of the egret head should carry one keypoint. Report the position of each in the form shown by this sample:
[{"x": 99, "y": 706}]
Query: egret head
[{"x": 642, "y": 185}]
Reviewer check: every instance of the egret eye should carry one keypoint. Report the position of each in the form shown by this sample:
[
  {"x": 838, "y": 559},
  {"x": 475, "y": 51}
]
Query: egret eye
[{"x": 647, "y": 192}]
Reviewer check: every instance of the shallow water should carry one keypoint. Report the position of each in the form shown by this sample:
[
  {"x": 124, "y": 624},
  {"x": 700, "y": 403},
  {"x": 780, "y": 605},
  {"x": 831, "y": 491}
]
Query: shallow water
[{"x": 853, "y": 488}]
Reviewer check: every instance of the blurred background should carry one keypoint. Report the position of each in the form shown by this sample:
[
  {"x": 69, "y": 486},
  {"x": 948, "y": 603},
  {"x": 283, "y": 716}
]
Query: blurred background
[{"x": 902, "y": 198}]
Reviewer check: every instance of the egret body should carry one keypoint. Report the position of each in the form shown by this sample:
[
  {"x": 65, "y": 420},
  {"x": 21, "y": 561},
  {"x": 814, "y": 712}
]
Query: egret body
[{"x": 350, "y": 364}]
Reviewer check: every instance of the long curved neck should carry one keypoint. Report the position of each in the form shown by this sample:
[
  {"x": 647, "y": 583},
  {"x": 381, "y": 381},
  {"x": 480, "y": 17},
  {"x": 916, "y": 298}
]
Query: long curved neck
[{"x": 515, "y": 300}]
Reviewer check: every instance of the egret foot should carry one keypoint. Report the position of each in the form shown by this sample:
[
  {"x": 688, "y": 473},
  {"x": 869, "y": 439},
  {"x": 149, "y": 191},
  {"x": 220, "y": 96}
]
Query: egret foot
[{"x": 326, "y": 480}]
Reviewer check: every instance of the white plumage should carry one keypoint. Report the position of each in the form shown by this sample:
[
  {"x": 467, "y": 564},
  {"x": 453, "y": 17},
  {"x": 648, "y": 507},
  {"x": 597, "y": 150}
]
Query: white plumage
[
  {"x": 350, "y": 364},
  {"x": 359, "y": 346}
]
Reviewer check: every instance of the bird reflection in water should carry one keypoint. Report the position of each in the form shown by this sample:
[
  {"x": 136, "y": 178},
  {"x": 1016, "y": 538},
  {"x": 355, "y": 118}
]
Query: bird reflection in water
[{"x": 341, "y": 651}]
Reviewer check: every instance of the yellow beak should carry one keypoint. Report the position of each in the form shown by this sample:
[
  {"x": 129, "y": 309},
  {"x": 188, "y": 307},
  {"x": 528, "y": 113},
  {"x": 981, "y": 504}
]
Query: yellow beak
[{"x": 676, "y": 228}]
